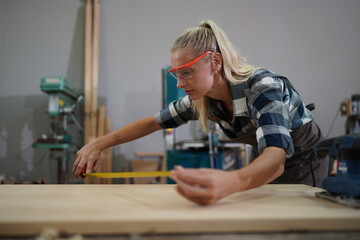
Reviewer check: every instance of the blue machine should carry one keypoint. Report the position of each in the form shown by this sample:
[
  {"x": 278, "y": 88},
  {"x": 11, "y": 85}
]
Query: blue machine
[
  {"x": 344, "y": 187},
  {"x": 192, "y": 158}
]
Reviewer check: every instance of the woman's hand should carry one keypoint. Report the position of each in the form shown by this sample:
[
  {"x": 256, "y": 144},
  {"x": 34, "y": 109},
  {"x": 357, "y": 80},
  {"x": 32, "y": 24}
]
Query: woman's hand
[
  {"x": 88, "y": 156},
  {"x": 204, "y": 186}
]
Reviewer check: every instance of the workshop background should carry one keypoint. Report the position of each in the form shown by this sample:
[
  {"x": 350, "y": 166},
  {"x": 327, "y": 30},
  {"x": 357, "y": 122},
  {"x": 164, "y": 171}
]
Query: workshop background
[{"x": 315, "y": 43}]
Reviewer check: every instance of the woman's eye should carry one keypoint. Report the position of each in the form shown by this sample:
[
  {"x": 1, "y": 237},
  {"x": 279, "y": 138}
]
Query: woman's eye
[{"x": 186, "y": 73}]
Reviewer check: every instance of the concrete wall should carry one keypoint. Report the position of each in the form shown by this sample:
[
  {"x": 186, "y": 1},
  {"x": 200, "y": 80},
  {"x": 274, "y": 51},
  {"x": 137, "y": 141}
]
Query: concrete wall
[{"x": 313, "y": 42}]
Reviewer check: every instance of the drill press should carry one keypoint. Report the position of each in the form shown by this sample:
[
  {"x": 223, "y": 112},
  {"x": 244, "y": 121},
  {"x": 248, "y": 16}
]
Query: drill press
[{"x": 63, "y": 98}]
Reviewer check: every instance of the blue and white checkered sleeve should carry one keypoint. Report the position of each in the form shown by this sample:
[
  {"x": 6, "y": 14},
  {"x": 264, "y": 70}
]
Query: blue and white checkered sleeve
[
  {"x": 176, "y": 113},
  {"x": 268, "y": 104}
]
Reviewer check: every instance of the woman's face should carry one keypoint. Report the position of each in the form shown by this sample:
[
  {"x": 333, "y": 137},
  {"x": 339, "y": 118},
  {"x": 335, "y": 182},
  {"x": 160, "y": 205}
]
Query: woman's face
[{"x": 196, "y": 80}]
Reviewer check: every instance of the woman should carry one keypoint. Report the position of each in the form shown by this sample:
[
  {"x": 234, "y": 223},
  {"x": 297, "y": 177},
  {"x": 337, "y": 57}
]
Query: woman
[{"x": 252, "y": 105}]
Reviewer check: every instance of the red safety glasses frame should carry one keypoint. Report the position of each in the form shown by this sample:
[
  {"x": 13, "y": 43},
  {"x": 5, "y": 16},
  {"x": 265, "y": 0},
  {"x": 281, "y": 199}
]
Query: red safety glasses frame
[{"x": 192, "y": 62}]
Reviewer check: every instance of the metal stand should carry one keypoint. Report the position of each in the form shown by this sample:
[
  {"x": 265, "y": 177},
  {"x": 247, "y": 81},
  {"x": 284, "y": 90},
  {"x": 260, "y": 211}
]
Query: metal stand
[{"x": 61, "y": 153}]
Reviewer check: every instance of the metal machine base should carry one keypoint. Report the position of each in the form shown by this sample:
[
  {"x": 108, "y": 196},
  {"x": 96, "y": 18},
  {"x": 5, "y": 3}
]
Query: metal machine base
[{"x": 344, "y": 200}]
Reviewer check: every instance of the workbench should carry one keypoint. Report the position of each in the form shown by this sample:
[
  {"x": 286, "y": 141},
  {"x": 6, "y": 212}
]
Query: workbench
[{"x": 158, "y": 209}]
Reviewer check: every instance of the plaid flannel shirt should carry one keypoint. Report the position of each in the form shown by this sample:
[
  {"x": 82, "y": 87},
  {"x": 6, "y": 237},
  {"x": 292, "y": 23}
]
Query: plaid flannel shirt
[{"x": 270, "y": 105}]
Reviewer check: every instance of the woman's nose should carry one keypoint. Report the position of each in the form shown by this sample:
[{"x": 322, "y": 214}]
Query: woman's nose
[{"x": 180, "y": 83}]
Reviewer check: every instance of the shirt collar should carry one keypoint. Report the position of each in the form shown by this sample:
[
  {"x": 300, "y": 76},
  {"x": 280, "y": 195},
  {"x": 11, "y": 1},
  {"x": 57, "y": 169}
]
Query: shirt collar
[{"x": 239, "y": 99}]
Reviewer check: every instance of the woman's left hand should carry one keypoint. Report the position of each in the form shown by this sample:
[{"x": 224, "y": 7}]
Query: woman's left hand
[{"x": 204, "y": 186}]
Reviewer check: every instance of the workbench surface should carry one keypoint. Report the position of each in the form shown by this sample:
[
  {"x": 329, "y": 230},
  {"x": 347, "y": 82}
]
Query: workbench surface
[{"x": 128, "y": 209}]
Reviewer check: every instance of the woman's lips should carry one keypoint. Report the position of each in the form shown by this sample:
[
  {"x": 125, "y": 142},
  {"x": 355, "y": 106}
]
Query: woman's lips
[{"x": 188, "y": 91}]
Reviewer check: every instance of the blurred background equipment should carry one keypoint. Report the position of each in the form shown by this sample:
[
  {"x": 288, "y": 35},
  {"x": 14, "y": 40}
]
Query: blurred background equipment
[
  {"x": 351, "y": 109},
  {"x": 63, "y": 99}
]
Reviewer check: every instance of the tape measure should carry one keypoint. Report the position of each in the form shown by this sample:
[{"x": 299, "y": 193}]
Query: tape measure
[{"x": 128, "y": 174}]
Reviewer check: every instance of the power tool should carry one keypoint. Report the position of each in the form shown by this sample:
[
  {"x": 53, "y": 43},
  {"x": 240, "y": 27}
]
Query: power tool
[
  {"x": 344, "y": 187},
  {"x": 63, "y": 99}
]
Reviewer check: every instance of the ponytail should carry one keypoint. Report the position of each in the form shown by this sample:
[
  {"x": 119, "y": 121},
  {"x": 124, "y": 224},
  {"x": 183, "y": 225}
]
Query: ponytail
[{"x": 235, "y": 68}]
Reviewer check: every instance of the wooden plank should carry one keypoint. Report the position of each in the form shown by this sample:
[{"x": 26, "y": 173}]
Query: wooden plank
[
  {"x": 95, "y": 55},
  {"x": 88, "y": 135},
  {"x": 92, "y": 14},
  {"x": 87, "y": 69},
  {"x": 126, "y": 209},
  {"x": 100, "y": 130},
  {"x": 94, "y": 67},
  {"x": 100, "y": 121},
  {"x": 107, "y": 166}
]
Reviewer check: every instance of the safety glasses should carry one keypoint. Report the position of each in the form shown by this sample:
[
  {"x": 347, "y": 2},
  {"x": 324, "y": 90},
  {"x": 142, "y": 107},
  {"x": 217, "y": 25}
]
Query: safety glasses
[{"x": 184, "y": 71}]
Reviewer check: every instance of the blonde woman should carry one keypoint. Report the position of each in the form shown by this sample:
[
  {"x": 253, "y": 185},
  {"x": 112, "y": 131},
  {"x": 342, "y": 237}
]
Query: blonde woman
[{"x": 252, "y": 105}]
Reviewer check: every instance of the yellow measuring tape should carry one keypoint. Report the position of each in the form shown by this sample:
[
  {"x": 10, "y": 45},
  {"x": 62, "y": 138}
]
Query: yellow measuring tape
[{"x": 128, "y": 174}]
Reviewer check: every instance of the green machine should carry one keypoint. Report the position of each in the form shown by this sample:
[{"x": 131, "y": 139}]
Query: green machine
[{"x": 63, "y": 99}]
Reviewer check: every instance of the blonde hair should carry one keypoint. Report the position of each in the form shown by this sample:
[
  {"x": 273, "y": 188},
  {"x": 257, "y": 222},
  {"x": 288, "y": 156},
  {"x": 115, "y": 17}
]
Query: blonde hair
[{"x": 209, "y": 37}]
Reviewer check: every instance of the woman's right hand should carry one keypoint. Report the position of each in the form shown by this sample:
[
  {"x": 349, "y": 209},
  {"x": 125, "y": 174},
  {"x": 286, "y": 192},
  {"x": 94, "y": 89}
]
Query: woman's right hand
[{"x": 88, "y": 156}]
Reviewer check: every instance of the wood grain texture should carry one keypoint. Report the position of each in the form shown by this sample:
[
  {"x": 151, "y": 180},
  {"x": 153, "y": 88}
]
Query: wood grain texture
[
  {"x": 107, "y": 162},
  {"x": 119, "y": 209},
  {"x": 100, "y": 130},
  {"x": 95, "y": 55},
  {"x": 87, "y": 69}
]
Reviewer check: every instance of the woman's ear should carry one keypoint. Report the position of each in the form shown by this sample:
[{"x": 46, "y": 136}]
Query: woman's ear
[{"x": 216, "y": 62}]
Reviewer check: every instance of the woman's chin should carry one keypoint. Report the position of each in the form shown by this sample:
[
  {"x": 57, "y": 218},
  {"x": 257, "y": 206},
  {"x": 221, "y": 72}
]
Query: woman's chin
[{"x": 193, "y": 97}]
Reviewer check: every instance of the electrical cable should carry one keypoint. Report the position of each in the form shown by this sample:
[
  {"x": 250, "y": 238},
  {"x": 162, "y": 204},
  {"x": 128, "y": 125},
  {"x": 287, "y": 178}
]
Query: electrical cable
[
  {"x": 309, "y": 156},
  {"x": 312, "y": 171},
  {"x": 332, "y": 124}
]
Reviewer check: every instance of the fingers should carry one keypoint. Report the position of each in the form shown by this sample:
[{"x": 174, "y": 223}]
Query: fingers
[
  {"x": 195, "y": 185},
  {"x": 97, "y": 165},
  {"x": 196, "y": 193},
  {"x": 91, "y": 162},
  {"x": 192, "y": 199},
  {"x": 194, "y": 176},
  {"x": 89, "y": 166},
  {"x": 191, "y": 189},
  {"x": 78, "y": 167},
  {"x": 75, "y": 173}
]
